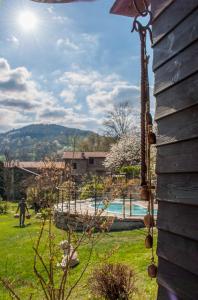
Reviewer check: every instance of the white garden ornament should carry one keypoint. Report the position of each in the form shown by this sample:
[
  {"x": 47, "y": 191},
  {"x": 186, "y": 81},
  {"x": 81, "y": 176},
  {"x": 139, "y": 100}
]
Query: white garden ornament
[{"x": 70, "y": 256}]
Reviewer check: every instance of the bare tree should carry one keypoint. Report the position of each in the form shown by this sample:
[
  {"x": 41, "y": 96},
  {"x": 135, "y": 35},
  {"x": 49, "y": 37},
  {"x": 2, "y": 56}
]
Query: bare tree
[{"x": 118, "y": 121}]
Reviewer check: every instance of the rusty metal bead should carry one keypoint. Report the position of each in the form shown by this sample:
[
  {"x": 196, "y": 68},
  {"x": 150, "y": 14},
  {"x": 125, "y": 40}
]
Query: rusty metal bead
[
  {"x": 149, "y": 241},
  {"x": 149, "y": 221},
  {"x": 152, "y": 138},
  {"x": 152, "y": 270},
  {"x": 144, "y": 193}
]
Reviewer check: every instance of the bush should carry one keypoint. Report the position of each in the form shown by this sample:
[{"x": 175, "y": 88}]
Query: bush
[
  {"x": 113, "y": 282},
  {"x": 3, "y": 207},
  {"x": 90, "y": 189},
  {"x": 131, "y": 171}
]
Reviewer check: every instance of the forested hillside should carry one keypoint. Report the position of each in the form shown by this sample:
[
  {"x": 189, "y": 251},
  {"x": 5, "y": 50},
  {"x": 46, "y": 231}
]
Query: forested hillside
[{"x": 34, "y": 142}]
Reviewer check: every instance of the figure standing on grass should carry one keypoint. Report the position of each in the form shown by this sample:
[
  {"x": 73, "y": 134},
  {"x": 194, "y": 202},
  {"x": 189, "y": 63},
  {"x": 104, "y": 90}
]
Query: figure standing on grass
[{"x": 22, "y": 207}]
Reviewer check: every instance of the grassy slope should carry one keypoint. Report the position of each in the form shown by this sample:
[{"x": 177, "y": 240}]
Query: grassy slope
[{"x": 16, "y": 258}]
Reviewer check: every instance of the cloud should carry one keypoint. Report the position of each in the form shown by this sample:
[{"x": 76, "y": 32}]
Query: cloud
[
  {"x": 60, "y": 19},
  {"x": 22, "y": 102},
  {"x": 79, "y": 44},
  {"x": 20, "y": 93},
  {"x": 13, "y": 40},
  {"x": 12, "y": 84},
  {"x": 78, "y": 107},
  {"x": 19, "y": 89},
  {"x": 92, "y": 39},
  {"x": 68, "y": 96},
  {"x": 7, "y": 118},
  {"x": 83, "y": 97},
  {"x": 50, "y": 9},
  {"x": 101, "y": 91},
  {"x": 18, "y": 104},
  {"x": 67, "y": 117},
  {"x": 67, "y": 44},
  {"x": 79, "y": 78},
  {"x": 57, "y": 17},
  {"x": 103, "y": 101},
  {"x": 53, "y": 114},
  {"x": 4, "y": 66}
]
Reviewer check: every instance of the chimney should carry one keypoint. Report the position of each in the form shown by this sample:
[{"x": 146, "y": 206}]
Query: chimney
[{"x": 83, "y": 155}]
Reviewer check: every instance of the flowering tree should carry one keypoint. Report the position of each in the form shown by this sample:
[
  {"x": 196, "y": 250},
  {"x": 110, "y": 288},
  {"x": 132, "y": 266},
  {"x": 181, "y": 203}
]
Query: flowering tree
[{"x": 123, "y": 153}]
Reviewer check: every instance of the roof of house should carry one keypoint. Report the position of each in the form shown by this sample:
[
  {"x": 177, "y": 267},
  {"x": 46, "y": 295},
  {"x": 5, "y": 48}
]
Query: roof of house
[
  {"x": 35, "y": 165},
  {"x": 83, "y": 155},
  {"x": 58, "y": 1},
  {"x": 127, "y": 7},
  {"x": 123, "y": 7}
]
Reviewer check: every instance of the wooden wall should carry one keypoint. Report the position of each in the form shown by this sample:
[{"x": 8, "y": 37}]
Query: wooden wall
[{"x": 175, "y": 31}]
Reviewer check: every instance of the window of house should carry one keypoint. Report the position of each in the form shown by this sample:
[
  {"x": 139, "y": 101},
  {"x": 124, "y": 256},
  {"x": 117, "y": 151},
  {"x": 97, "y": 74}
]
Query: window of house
[
  {"x": 91, "y": 160},
  {"x": 74, "y": 166}
]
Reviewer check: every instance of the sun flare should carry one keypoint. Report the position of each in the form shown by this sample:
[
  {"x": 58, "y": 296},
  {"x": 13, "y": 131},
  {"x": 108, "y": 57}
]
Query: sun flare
[{"x": 28, "y": 21}]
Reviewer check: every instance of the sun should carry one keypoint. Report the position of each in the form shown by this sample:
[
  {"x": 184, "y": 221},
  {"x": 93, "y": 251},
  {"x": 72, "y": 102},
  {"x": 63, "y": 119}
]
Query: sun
[{"x": 28, "y": 20}]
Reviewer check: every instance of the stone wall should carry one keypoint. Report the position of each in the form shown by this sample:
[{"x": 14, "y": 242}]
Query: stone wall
[{"x": 80, "y": 222}]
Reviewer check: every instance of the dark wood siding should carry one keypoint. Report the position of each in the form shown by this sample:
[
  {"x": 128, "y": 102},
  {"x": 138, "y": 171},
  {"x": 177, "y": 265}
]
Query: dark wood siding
[{"x": 175, "y": 31}]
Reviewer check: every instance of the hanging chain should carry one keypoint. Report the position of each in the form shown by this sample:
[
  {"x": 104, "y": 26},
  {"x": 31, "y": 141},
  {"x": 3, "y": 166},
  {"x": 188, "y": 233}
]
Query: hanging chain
[
  {"x": 147, "y": 136},
  {"x": 142, "y": 30}
]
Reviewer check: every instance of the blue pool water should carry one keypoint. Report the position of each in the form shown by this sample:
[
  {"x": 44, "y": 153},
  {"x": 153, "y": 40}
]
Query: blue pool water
[{"x": 117, "y": 208}]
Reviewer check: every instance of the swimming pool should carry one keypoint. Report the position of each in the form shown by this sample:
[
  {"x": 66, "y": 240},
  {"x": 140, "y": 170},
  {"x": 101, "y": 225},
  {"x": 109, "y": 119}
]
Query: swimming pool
[{"x": 117, "y": 208}]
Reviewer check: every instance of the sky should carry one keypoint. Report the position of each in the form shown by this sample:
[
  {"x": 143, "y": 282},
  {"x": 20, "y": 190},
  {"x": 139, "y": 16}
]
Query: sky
[{"x": 66, "y": 64}]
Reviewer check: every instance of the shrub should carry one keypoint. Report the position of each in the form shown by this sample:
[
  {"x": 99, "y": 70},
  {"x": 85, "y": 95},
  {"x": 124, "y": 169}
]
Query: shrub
[
  {"x": 131, "y": 171},
  {"x": 3, "y": 207},
  {"x": 90, "y": 188},
  {"x": 113, "y": 282}
]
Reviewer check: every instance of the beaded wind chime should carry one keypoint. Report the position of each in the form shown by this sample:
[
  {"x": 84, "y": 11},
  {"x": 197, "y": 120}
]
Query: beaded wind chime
[{"x": 136, "y": 9}]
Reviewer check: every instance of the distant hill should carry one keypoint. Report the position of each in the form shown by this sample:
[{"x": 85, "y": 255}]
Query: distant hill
[{"x": 34, "y": 142}]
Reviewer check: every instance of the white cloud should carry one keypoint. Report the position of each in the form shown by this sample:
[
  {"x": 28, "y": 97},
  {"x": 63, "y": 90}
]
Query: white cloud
[
  {"x": 101, "y": 91},
  {"x": 68, "y": 96},
  {"x": 57, "y": 17},
  {"x": 4, "y": 66},
  {"x": 13, "y": 40},
  {"x": 67, "y": 44},
  {"x": 67, "y": 117},
  {"x": 84, "y": 97},
  {"x": 77, "y": 79},
  {"x": 53, "y": 114},
  {"x": 20, "y": 94},
  {"x": 7, "y": 118},
  {"x": 79, "y": 44},
  {"x": 60, "y": 19},
  {"x": 22, "y": 102},
  {"x": 92, "y": 39},
  {"x": 50, "y": 9},
  {"x": 103, "y": 101},
  {"x": 78, "y": 107},
  {"x": 19, "y": 91}
]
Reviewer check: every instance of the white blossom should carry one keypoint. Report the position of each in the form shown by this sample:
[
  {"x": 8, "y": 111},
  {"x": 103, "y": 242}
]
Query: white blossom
[{"x": 125, "y": 152}]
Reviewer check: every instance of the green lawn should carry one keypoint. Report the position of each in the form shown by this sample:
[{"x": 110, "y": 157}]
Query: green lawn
[{"x": 16, "y": 258}]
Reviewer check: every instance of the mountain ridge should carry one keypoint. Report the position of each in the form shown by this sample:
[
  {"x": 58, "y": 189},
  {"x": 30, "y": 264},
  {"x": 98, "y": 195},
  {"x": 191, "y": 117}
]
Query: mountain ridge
[
  {"x": 40, "y": 125},
  {"x": 35, "y": 141}
]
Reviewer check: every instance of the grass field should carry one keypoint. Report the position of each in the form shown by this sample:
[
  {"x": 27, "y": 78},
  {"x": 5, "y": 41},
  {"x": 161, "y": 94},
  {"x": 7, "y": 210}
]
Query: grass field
[{"x": 16, "y": 258}]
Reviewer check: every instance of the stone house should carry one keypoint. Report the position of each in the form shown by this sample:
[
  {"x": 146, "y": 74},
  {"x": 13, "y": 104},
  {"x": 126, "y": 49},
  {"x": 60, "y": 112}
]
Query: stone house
[
  {"x": 18, "y": 173},
  {"x": 84, "y": 163}
]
